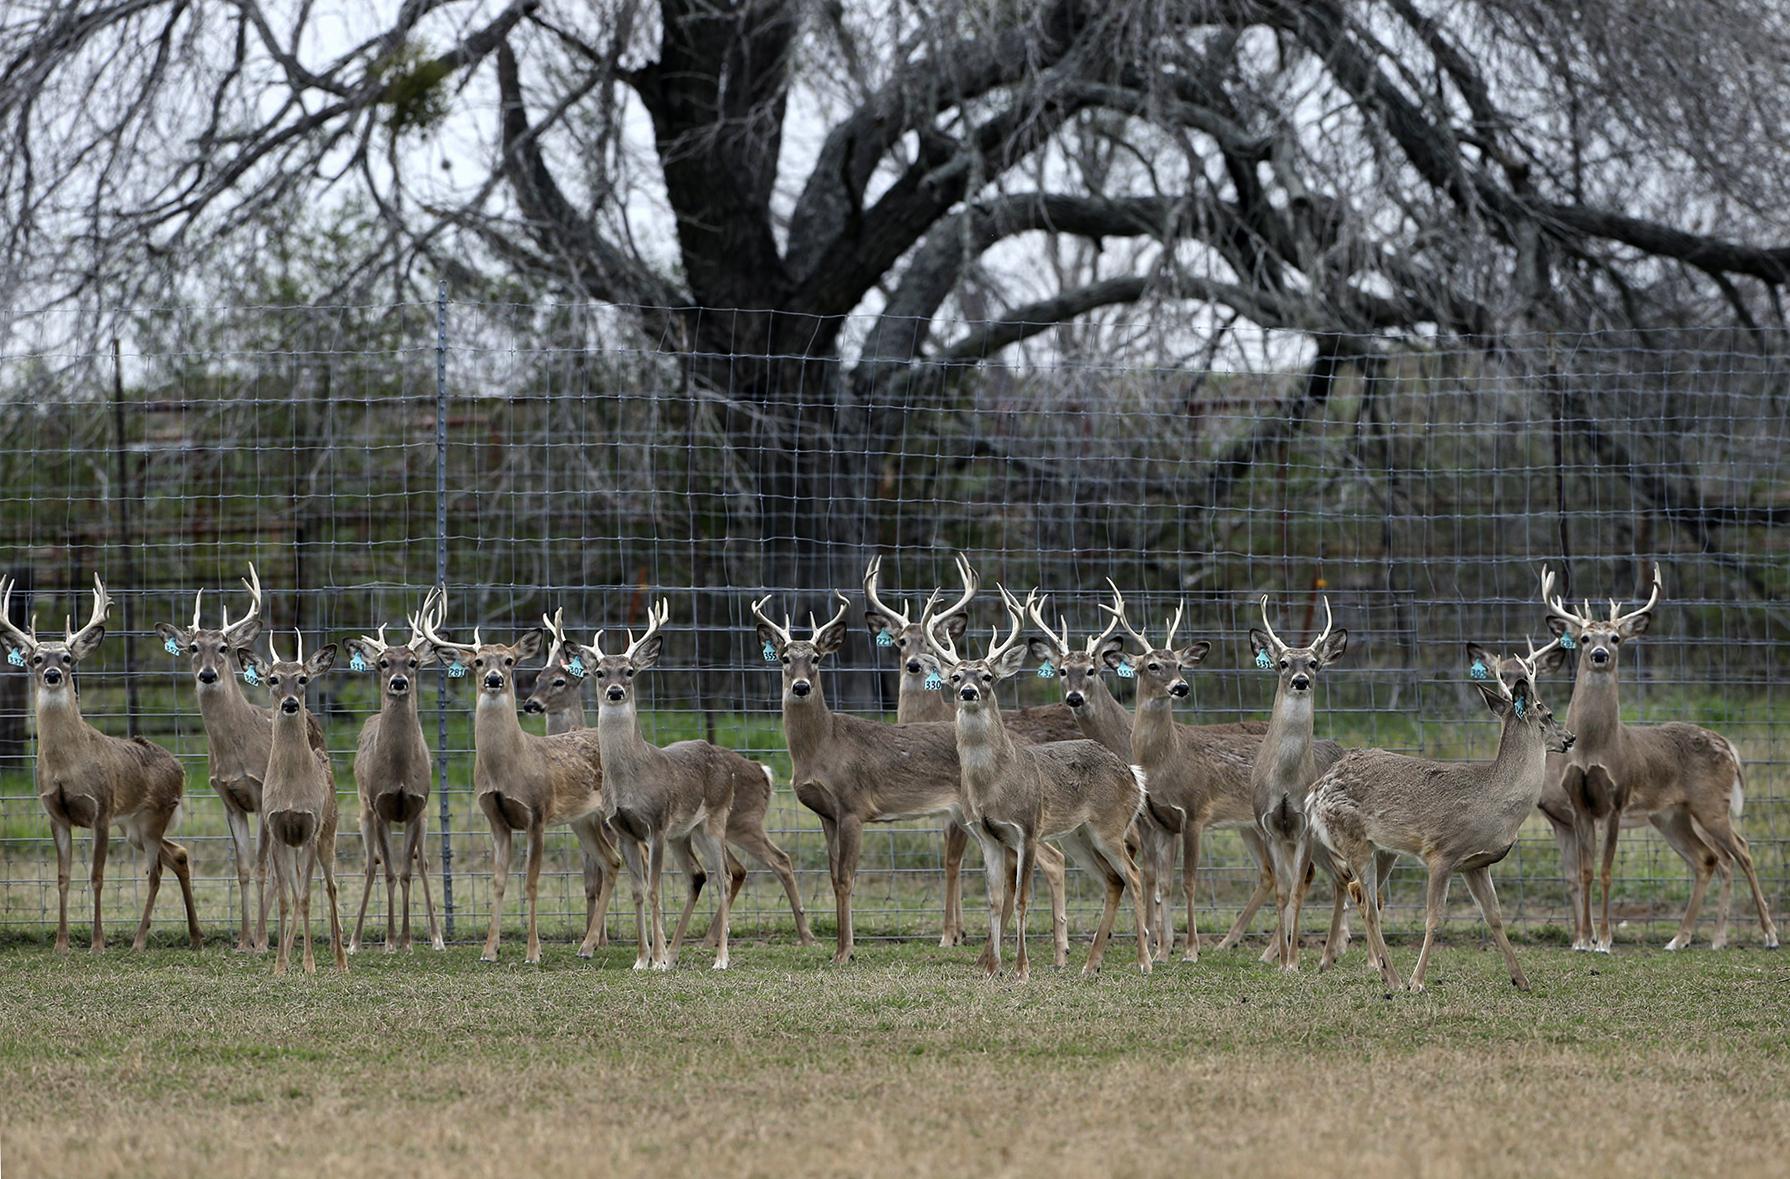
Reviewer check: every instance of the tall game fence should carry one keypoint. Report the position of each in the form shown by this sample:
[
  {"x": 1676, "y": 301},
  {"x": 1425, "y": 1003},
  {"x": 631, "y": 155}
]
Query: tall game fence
[{"x": 578, "y": 456}]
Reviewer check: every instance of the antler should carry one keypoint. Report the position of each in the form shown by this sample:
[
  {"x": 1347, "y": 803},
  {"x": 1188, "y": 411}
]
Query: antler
[
  {"x": 941, "y": 645},
  {"x": 1174, "y": 624},
  {"x": 197, "y": 599},
  {"x": 1328, "y": 623},
  {"x": 1016, "y": 615},
  {"x": 434, "y": 614},
  {"x": 1268, "y": 627},
  {"x": 417, "y": 638},
  {"x": 1652, "y": 601},
  {"x": 844, "y": 605},
  {"x": 876, "y": 603},
  {"x": 102, "y": 605},
  {"x": 971, "y": 583},
  {"x": 253, "y": 584},
  {"x": 782, "y": 632},
  {"x": 1552, "y": 601},
  {"x": 1117, "y": 610},
  {"x": 556, "y": 627},
  {"x": 655, "y": 618},
  {"x": 1059, "y": 640},
  {"x": 376, "y": 640},
  {"x": 26, "y": 642},
  {"x": 272, "y": 650}
]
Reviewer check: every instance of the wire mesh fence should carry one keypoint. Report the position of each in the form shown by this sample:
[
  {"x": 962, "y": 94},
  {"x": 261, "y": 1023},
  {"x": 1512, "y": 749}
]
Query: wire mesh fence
[{"x": 538, "y": 456}]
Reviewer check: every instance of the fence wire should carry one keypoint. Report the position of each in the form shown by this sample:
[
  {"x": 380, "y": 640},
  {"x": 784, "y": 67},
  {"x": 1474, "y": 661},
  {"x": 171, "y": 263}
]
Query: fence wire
[{"x": 544, "y": 456}]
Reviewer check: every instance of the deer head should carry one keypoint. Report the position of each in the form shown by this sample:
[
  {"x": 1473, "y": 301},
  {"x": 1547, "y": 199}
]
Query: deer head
[
  {"x": 800, "y": 658},
  {"x": 213, "y": 652},
  {"x": 287, "y": 679},
  {"x": 1297, "y": 666},
  {"x": 396, "y": 663},
  {"x": 1077, "y": 668},
  {"x": 51, "y": 662},
  {"x": 1159, "y": 669},
  {"x": 972, "y": 681},
  {"x": 493, "y": 663},
  {"x": 1507, "y": 685},
  {"x": 614, "y": 674},
  {"x": 1598, "y": 641},
  {"x": 561, "y": 679},
  {"x": 896, "y": 628}
]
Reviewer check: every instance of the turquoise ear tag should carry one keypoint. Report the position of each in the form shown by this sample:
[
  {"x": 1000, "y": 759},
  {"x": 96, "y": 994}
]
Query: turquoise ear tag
[
  {"x": 249, "y": 676},
  {"x": 456, "y": 669},
  {"x": 1478, "y": 671},
  {"x": 770, "y": 653},
  {"x": 171, "y": 646},
  {"x": 1047, "y": 670},
  {"x": 1567, "y": 642},
  {"x": 884, "y": 639},
  {"x": 1521, "y": 707},
  {"x": 1126, "y": 671},
  {"x": 933, "y": 681},
  {"x": 1262, "y": 661},
  {"x": 576, "y": 668},
  {"x": 13, "y": 657},
  {"x": 358, "y": 663}
]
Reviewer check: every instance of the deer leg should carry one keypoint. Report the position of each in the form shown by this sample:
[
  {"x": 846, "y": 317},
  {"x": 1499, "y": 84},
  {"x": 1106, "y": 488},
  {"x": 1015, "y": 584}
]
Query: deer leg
[
  {"x": 370, "y": 841},
  {"x": 1715, "y": 821},
  {"x": 1383, "y": 863},
  {"x": 242, "y": 847},
  {"x": 994, "y": 865},
  {"x": 1479, "y": 883},
  {"x": 1679, "y": 832},
  {"x": 421, "y": 845},
  {"x": 304, "y": 902},
  {"x": 757, "y": 844},
  {"x": 1303, "y": 871},
  {"x": 1264, "y": 888},
  {"x": 1434, "y": 897},
  {"x": 655, "y": 869},
  {"x": 152, "y": 857},
  {"x": 280, "y": 887},
  {"x": 327, "y": 853},
  {"x": 102, "y": 834},
  {"x": 383, "y": 832},
  {"x": 1120, "y": 865},
  {"x": 1566, "y": 840},
  {"x": 735, "y": 880},
  {"x": 413, "y": 847},
  {"x": 1190, "y": 839},
  {"x": 1585, "y": 839},
  {"x": 501, "y": 839},
  {"x": 630, "y": 850},
  {"x": 713, "y": 838},
  {"x": 1283, "y": 856},
  {"x": 175, "y": 858},
  {"x": 1024, "y": 861},
  {"x": 537, "y": 849},
  {"x": 64, "y": 836},
  {"x": 1364, "y": 885},
  {"x": 697, "y": 876},
  {"x": 262, "y": 851},
  {"x": 956, "y": 839},
  {"x": 1605, "y": 932},
  {"x": 601, "y": 866},
  {"x": 1050, "y": 862},
  {"x": 1336, "y": 941},
  {"x": 851, "y": 833}
]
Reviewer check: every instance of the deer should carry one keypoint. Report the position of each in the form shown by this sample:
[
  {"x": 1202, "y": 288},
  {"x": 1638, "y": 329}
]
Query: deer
[
  {"x": 558, "y": 694},
  {"x": 298, "y": 800},
  {"x": 523, "y": 782},
  {"x": 1456, "y": 817},
  {"x": 693, "y": 796},
  {"x": 1287, "y": 762},
  {"x": 238, "y": 734},
  {"x": 1015, "y": 795},
  {"x": 1684, "y": 778},
  {"x": 919, "y": 699},
  {"x": 393, "y": 772},
  {"x": 86, "y": 778},
  {"x": 850, "y": 771}
]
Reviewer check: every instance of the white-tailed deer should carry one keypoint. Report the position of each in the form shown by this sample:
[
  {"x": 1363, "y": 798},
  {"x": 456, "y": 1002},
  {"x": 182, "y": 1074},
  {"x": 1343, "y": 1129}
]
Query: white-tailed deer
[
  {"x": 558, "y": 694},
  {"x": 1198, "y": 774},
  {"x": 920, "y": 699},
  {"x": 690, "y": 796},
  {"x": 393, "y": 772},
  {"x": 1288, "y": 761},
  {"x": 1455, "y": 817},
  {"x": 523, "y": 782},
  {"x": 238, "y": 735},
  {"x": 1015, "y": 795},
  {"x": 298, "y": 802},
  {"x": 1685, "y": 774},
  {"x": 850, "y": 771},
  {"x": 86, "y": 778}
]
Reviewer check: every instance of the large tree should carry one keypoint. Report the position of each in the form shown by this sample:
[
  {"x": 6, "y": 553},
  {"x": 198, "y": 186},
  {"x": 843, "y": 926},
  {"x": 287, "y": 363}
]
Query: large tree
[{"x": 828, "y": 208}]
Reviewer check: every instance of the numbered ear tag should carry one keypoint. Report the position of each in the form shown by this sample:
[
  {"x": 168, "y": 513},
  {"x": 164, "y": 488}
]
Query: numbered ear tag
[
  {"x": 1521, "y": 706},
  {"x": 456, "y": 669},
  {"x": 576, "y": 668},
  {"x": 770, "y": 653},
  {"x": 1126, "y": 671},
  {"x": 357, "y": 663},
  {"x": 933, "y": 681},
  {"x": 884, "y": 639},
  {"x": 249, "y": 676},
  {"x": 171, "y": 646},
  {"x": 1047, "y": 670},
  {"x": 13, "y": 657},
  {"x": 1262, "y": 661},
  {"x": 1478, "y": 670},
  {"x": 1567, "y": 642}
]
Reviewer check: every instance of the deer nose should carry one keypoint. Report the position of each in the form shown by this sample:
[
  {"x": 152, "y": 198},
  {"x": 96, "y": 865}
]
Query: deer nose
[
  {"x": 531, "y": 705},
  {"x": 914, "y": 667},
  {"x": 1178, "y": 689},
  {"x": 801, "y": 687},
  {"x": 493, "y": 681},
  {"x": 1600, "y": 655},
  {"x": 968, "y": 692},
  {"x": 1073, "y": 699},
  {"x": 400, "y": 683},
  {"x": 289, "y": 705},
  {"x": 207, "y": 676},
  {"x": 1301, "y": 683},
  {"x": 53, "y": 676},
  {"x": 615, "y": 692}
]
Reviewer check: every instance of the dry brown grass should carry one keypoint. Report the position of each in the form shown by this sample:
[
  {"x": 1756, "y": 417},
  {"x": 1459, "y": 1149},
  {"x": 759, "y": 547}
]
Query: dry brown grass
[{"x": 904, "y": 1063}]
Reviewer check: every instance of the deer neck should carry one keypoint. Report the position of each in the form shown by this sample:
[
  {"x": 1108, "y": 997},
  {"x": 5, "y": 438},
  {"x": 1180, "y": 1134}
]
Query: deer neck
[
  {"x": 1595, "y": 712},
  {"x": 807, "y": 722},
  {"x": 1520, "y": 766},
  {"x": 62, "y": 732},
  {"x": 1153, "y": 736},
  {"x": 291, "y": 758},
  {"x": 497, "y": 735},
  {"x": 1287, "y": 744},
  {"x": 400, "y": 711},
  {"x": 984, "y": 750},
  {"x": 914, "y": 702},
  {"x": 1102, "y": 718},
  {"x": 222, "y": 704},
  {"x": 567, "y": 718}
]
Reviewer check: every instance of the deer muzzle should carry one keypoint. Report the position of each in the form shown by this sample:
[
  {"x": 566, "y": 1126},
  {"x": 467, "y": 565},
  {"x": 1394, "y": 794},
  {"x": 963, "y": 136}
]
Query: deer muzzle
[
  {"x": 801, "y": 688},
  {"x": 1074, "y": 699},
  {"x": 493, "y": 682},
  {"x": 399, "y": 685},
  {"x": 289, "y": 705},
  {"x": 1300, "y": 683},
  {"x": 52, "y": 676},
  {"x": 615, "y": 693},
  {"x": 915, "y": 667},
  {"x": 1178, "y": 689},
  {"x": 533, "y": 707},
  {"x": 208, "y": 675},
  {"x": 1600, "y": 656},
  {"x": 969, "y": 692}
]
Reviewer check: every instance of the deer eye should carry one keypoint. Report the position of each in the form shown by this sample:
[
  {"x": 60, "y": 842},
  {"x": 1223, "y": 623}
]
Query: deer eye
[
  {"x": 629, "y": 672},
  {"x": 1283, "y": 665},
  {"x": 559, "y": 682},
  {"x": 385, "y": 663},
  {"x": 1154, "y": 666},
  {"x": 509, "y": 661},
  {"x": 303, "y": 680},
  {"x": 37, "y": 659},
  {"x": 1615, "y": 640},
  {"x": 786, "y": 661},
  {"x": 479, "y": 661},
  {"x": 956, "y": 677}
]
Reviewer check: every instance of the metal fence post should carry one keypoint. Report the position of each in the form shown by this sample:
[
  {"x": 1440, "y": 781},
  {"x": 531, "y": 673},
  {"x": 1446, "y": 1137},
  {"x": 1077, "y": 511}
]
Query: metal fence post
[{"x": 441, "y": 540}]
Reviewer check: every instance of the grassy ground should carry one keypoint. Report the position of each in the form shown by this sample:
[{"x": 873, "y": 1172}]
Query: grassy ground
[{"x": 905, "y": 1062}]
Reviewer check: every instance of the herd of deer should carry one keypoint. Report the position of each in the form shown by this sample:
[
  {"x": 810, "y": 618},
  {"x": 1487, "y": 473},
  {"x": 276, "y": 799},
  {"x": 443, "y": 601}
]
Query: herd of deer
[{"x": 1122, "y": 793}]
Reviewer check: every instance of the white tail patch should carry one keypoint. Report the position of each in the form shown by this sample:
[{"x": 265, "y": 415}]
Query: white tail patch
[
  {"x": 1736, "y": 797},
  {"x": 1143, "y": 789},
  {"x": 770, "y": 779}
]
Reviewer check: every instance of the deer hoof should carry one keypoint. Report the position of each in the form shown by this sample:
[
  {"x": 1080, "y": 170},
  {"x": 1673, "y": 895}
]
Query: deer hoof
[{"x": 1677, "y": 943}]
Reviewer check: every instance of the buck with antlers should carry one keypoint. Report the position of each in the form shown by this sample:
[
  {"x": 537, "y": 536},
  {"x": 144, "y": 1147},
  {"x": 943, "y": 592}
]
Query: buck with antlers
[
  {"x": 558, "y": 694},
  {"x": 1015, "y": 795},
  {"x": 238, "y": 735},
  {"x": 1289, "y": 760},
  {"x": 523, "y": 782},
  {"x": 393, "y": 772},
  {"x": 1372, "y": 805},
  {"x": 298, "y": 801},
  {"x": 86, "y": 778},
  {"x": 919, "y": 699},
  {"x": 690, "y": 796},
  {"x": 850, "y": 771},
  {"x": 1684, "y": 778}
]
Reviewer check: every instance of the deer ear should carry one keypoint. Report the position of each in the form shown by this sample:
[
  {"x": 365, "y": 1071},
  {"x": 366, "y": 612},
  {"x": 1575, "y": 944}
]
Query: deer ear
[
  {"x": 1193, "y": 654},
  {"x": 1040, "y": 650},
  {"x": 1334, "y": 646},
  {"x": 1557, "y": 625},
  {"x": 956, "y": 626},
  {"x": 875, "y": 623},
  {"x": 1637, "y": 626},
  {"x": 88, "y": 643},
  {"x": 321, "y": 660},
  {"x": 1010, "y": 662},
  {"x": 355, "y": 647},
  {"x": 529, "y": 645},
  {"x": 426, "y": 656},
  {"x": 244, "y": 633},
  {"x": 830, "y": 638},
  {"x": 1492, "y": 693},
  {"x": 248, "y": 660},
  {"x": 768, "y": 638},
  {"x": 173, "y": 638},
  {"x": 1112, "y": 653},
  {"x": 1552, "y": 660},
  {"x": 1259, "y": 646},
  {"x": 649, "y": 652}
]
